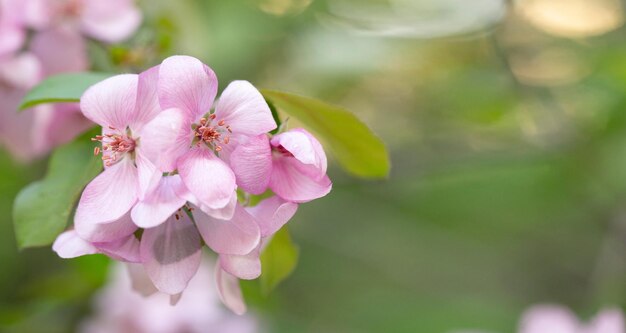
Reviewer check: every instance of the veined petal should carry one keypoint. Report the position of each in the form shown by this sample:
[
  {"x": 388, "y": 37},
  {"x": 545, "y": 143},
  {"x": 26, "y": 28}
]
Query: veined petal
[
  {"x": 187, "y": 84},
  {"x": 165, "y": 138},
  {"x": 109, "y": 196},
  {"x": 229, "y": 291},
  {"x": 147, "y": 106},
  {"x": 160, "y": 204},
  {"x": 252, "y": 164},
  {"x": 70, "y": 245},
  {"x": 304, "y": 147},
  {"x": 291, "y": 181},
  {"x": 171, "y": 254},
  {"x": 110, "y": 21},
  {"x": 125, "y": 249},
  {"x": 246, "y": 267},
  {"x": 106, "y": 232},
  {"x": 224, "y": 213},
  {"x": 207, "y": 177},
  {"x": 148, "y": 176},
  {"x": 238, "y": 236},
  {"x": 111, "y": 103},
  {"x": 243, "y": 108},
  {"x": 272, "y": 213},
  {"x": 56, "y": 124}
]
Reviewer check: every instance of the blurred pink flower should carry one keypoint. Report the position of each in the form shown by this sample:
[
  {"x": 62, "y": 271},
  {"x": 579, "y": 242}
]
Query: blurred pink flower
[
  {"x": 109, "y": 21},
  {"x": 12, "y": 32},
  {"x": 118, "y": 309},
  {"x": 558, "y": 319},
  {"x": 187, "y": 137}
]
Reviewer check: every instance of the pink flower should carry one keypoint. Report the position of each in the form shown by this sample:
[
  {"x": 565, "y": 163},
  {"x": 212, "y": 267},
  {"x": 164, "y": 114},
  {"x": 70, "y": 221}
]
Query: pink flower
[
  {"x": 118, "y": 309},
  {"x": 556, "y": 319},
  {"x": 297, "y": 171},
  {"x": 122, "y": 105},
  {"x": 271, "y": 214},
  {"x": 109, "y": 21},
  {"x": 188, "y": 137},
  {"x": 12, "y": 32}
]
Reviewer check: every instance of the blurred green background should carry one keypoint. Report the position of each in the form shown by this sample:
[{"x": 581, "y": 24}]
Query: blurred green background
[{"x": 506, "y": 124}]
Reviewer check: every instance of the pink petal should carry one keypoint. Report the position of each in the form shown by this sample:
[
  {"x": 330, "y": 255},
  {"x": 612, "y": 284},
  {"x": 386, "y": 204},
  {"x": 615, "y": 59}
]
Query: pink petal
[
  {"x": 252, "y": 164},
  {"x": 148, "y": 176},
  {"x": 109, "y": 196},
  {"x": 57, "y": 124},
  {"x": 171, "y": 254},
  {"x": 21, "y": 71},
  {"x": 110, "y": 21},
  {"x": 229, "y": 291},
  {"x": 547, "y": 318},
  {"x": 247, "y": 267},
  {"x": 607, "y": 321},
  {"x": 243, "y": 108},
  {"x": 224, "y": 213},
  {"x": 239, "y": 236},
  {"x": 36, "y": 14},
  {"x": 140, "y": 281},
  {"x": 271, "y": 214},
  {"x": 60, "y": 50},
  {"x": 70, "y": 245},
  {"x": 111, "y": 103},
  {"x": 165, "y": 138},
  {"x": 106, "y": 232},
  {"x": 147, "y": 105},
  {"x": 125, "y": 249},
  {"x": 186, "y": 83},
  {"x": 159, "y": 205},
  {"x": 292, "y": 181},
  {"x": 11, "y": 37},
  {"x": 304, "y": 147},
  {"x": 13, "y": 125},
  {"x": 207, "y": 177}
]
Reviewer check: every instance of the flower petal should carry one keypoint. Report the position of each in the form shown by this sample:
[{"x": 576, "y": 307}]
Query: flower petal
[
  {"x": 165, "y": 138},
  {"x": 21, "y": 71},
  {"x": 292, "y": 181},
  {"x": 111, "y": 103},
  {"x": 304, "y": 147},
  {"x": 547, "y": 318},
  {"x": 125, "y": 249},
  {"x": 224, "y": 213},
  {"x": 247, "y": 267},
  {"x": 271, "y": 214},
  {"x": 109, "y": 196},
  {"x": 140, "y": 281},
  {"x": 187, "y": 84},
  {"x": 159, "y": 205},
  {"x": 207, "y": 177},
  {"x": 106, "y": 232},
  {"x": 243, "y": 108},
  {"x": 60, "y": 50},
  {"x": 239, "y": 236},
  {"x": 229, "y": 291},
  {"x": 148, "y": 176},
  {"x": 110, "y": 21},
  {"x": 147, "y": 104},
  {"x": 607, "y": 321},
  {"x": 171, "y": 254},
  {"x": 252, "y": 164},
  {"x": 70, "y": 245},
  {"x": 57, "y": 124}
]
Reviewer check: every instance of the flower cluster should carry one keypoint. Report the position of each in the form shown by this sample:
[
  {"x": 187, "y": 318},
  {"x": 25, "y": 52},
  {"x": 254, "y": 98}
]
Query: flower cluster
[
  {"x": 175, "y": 165},
  {"x": 39, "y": 38}
]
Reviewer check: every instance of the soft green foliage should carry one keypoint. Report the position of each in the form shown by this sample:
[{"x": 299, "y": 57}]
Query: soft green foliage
[
  {"x": 42, "y": 209},
  {"x": 354, "y": 145},
  {"x": 61, "y": 88},
  {"x": 278, "y": 260}
]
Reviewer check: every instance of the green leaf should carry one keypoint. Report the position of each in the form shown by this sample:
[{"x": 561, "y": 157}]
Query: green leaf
[
  {"x": 352, "y": 143},
  {"x": 41, "y": 210},
  {"x": 278, "y": 260},
  {"x": 62, "y": 88}
]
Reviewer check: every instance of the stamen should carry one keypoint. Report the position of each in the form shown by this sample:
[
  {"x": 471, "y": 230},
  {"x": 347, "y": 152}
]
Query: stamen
[{"x": 96, "y": 151}]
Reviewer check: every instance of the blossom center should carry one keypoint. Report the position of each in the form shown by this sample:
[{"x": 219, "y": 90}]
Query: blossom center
[
  {"x": 114, "y": 146},
  {"x": 213, "y": 134}
]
